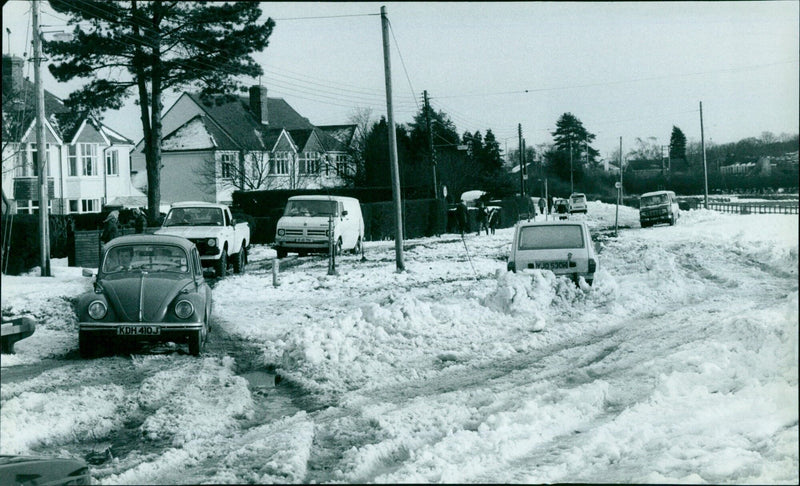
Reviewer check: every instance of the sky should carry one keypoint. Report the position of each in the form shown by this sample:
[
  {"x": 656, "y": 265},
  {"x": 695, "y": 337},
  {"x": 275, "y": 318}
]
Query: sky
[
  {"x": 625, "y": 69},
  {"x": 678, "y": 366}
]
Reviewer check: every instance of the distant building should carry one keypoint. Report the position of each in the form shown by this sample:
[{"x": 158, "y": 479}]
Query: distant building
[
  {"x": 213, "y": 146},
  {"x": 88, "y": 163}
]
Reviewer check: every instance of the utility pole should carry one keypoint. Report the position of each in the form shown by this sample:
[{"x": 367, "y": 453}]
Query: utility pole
[
  {"x": 521, "y": 161},
  {"x": 398, "y": 215},
  {"x": 619, "y": 189},
  {"x": 430, "y": 143},
  {"x": 41, "y": 146},
  {"x": 705, "y": 167}
]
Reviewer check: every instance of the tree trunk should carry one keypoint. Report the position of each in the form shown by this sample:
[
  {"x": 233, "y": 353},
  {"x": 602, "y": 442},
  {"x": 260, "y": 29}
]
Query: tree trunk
[{"x": 154, "y": 161}]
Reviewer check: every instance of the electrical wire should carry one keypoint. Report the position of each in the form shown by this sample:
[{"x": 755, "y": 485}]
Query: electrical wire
[{"x": 397, "y": 46}]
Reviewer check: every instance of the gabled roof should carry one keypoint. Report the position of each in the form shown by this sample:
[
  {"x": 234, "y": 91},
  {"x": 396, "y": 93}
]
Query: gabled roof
[
  {"x": 232, "y": 114},
  {"x": 329, "y": 143},
  {"x": 219, "y": 139},
  {"x": 64, "y": 121}
]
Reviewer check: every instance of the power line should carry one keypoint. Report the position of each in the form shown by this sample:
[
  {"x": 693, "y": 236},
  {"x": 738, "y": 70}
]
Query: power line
[
  {"x": 391, "y": 29},
  {"x": 328, "y": 17}
]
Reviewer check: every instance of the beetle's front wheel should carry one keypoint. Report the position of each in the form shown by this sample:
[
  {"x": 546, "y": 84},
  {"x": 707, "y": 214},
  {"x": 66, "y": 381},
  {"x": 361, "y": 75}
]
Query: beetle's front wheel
[
  {"x": 195, "y": 343},
  {"x": 87, "y": 345}
]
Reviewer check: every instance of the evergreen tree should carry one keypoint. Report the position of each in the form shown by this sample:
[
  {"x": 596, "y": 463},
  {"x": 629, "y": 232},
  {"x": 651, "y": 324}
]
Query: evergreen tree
[
  {"x": 570, "y": 138},
  {"x": 677, "y": 144},
  {"x": 147, "y": 48},
  {"x": 491, "y": 158}
]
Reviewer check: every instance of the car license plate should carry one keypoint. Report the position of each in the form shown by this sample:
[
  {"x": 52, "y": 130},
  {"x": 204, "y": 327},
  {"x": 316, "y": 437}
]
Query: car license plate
[
  {"x": 138, "y": 330},
  {"x": 551, "y": 265}
]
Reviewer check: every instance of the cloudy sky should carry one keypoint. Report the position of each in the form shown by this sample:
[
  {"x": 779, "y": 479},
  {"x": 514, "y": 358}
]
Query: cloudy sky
[{"x": 624, "y": 69}]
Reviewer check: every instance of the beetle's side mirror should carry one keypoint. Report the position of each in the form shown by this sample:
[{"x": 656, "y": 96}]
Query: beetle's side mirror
[
  {"x": 344, "y": 212},
  {"x": 87, "y": 272}
]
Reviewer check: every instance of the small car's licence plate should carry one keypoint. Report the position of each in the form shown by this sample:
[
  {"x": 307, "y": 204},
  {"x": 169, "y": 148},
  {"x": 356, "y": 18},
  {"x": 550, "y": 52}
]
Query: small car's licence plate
[
  {"x": 551, "y": 265},
  {"x": 138, "y": 330}
]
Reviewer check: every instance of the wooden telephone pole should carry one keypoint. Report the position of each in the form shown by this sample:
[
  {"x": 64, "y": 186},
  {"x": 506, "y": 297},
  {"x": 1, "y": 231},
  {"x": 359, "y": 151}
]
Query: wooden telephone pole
[
  {"x": 398, "y": 215},
  {"x": 430, "y": 143},
  {"x": 41, "y": 146}
]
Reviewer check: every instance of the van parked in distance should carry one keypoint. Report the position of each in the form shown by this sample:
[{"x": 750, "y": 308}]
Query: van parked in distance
[
  {"x": 658, "y": 207},
  {"x": 577, "y": 203},
  {"x": 309, "y": 221}
]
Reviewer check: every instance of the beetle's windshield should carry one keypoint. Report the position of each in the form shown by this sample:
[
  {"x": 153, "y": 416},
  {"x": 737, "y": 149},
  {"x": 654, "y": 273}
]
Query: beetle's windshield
[
  {"x": 194, "y": 217},
  {"x": 653, "y": 200},
  {"x": 310, "y": 208},
  {"x": 550, "y": 237},
  {"x": 152, "y": 257}
]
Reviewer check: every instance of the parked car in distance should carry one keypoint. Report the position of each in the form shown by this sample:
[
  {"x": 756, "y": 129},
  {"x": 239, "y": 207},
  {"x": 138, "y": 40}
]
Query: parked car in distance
[
  {"x": 13, "y": 330},
  {"x": 577, "y": 203},
  {"x": 36, "y": 470},
  {"x": 563, "y": 247},
  {"x": 308, "y": 223},
  {"x": 658, "y": 207},
  {"x": 219, "y": 238},
  {"x": 147, "y": 288},
  {"x": 561, "y": 208}
]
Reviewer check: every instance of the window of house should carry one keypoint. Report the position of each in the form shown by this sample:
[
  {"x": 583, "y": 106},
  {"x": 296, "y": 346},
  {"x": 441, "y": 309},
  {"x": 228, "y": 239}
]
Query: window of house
[
  {"x": 341, "y": 164},
  {"x": 279, "y": 164},
  {"x": 27, "y": 206},
  {"x": 22, "y": 166},
  {"x": 72, "y": 160},
  {"x": 35, "y": 159},
  {"x": 309, "y": 163},
  {"x": 73, "y": 205},
  {"x": 226, "y": 166},
  {"x": 90, "y": 205},
  {"x": 88, "y": 156},
  {"x": 112, "y": 162}
]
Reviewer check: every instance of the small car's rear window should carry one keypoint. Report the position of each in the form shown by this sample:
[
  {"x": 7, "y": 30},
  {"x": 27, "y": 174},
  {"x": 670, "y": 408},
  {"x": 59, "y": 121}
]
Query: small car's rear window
[
  {"x": 165, "y": 258},
  {"x": 550, "y": 237}
]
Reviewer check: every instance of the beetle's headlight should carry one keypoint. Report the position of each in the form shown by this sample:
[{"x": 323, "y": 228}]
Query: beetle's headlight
[
  {"x": 281, "y": 232},
  {"x": 212, "y": 242},
  {"x": 97, "y": 310},
  {"x": 327, "y": 232},
  {"x": 184, "y": 309}
]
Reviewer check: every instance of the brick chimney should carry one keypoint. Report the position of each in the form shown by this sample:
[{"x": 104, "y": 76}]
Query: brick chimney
[
  {"x": 12, "y": 73},
  {"x": 258, "y": 104}
]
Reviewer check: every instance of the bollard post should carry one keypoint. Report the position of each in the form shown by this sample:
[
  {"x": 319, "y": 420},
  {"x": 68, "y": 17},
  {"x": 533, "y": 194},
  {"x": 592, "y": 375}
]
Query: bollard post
[
  {"x": 275, "y": 271},
  {"x": 331, "y": 248}
]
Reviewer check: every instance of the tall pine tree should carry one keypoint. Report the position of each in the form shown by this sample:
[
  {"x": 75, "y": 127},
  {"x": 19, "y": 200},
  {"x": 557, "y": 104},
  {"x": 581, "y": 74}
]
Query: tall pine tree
[
  {"x": 146, "y": 48},
  {"x": 677, "y": 144}
]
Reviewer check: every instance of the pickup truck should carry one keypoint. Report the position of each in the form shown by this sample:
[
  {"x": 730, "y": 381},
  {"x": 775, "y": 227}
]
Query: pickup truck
[{"x": 219, "y": 239}]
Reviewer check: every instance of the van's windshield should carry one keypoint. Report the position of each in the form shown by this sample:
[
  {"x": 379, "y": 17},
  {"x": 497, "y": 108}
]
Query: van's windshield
[
  {"x": 311, "y": 208},
  {"x": 653, "y": 200},
  {"x": 550, "y": 237}
]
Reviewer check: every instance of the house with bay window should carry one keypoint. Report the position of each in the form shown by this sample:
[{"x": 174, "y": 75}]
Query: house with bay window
[
  {"x": 88, "y": 164},
  {"x": 213, "y": 146}
]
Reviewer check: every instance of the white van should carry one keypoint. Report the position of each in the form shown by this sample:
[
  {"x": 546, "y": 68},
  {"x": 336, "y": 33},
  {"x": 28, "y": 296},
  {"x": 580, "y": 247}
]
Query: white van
[
  {"x": 577, "y": 203},
  {"x": 308, "y": 222},
  {"x": 658, "y": 207}
]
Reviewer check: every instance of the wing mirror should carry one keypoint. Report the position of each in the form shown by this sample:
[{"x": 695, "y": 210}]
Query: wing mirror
[
  {"x": 87, "y": 272},
  {"x": 344, "y": 212}
]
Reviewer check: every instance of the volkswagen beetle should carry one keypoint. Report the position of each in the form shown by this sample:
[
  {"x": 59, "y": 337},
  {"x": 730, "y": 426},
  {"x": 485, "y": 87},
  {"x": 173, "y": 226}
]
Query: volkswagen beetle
[{"x": 148, "y": 288}]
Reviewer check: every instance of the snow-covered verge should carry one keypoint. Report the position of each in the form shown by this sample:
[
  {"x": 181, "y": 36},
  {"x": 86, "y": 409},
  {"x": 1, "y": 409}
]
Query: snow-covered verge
[{"x": 680, "y": 364}]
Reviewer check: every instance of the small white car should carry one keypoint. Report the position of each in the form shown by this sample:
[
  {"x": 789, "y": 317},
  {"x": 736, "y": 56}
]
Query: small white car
[
  {"x": 577, "y": 203},
  {"x": 563, "y": 247}
]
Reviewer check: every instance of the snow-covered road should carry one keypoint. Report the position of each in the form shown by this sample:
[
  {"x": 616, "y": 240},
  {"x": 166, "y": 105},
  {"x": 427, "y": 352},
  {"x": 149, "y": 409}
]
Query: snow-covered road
[{"x": 680, "y": 364}]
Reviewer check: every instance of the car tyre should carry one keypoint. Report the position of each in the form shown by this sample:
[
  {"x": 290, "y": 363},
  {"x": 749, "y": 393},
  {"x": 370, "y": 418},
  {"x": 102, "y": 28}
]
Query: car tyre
[
  {"x": 672, "y": 220},
  {"x": 240, "y": 262},
  {"x": 195, "y": 343},
  {"x": 221, "y": 268},
  {"x": 87, "y": 345},
  {"x": 357, "y": 249},
  {"x": 338, "y": 247},
  {"x": 281, "y": 253}
]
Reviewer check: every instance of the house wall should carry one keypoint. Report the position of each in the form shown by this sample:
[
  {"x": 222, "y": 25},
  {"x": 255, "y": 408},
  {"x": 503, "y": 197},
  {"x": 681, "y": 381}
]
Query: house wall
[{"x": 182, "y": 177}]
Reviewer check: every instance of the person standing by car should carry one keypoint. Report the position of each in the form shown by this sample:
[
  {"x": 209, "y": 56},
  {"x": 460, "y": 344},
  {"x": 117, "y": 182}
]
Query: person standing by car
[
  {"x": 110, "y": 227},
  {"x": 542, "y": 206},
  {"x": 494, "y": 219},
  {"x": 483, "y": 219}
]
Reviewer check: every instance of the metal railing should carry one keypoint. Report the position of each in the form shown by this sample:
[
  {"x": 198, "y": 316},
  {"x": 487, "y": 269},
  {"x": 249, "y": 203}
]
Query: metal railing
[{"x": 770, "y": 207}]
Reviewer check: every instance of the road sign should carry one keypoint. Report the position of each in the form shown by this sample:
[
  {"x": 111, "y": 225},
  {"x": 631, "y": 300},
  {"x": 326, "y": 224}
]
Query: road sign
[{"x": 618, "y": 184}]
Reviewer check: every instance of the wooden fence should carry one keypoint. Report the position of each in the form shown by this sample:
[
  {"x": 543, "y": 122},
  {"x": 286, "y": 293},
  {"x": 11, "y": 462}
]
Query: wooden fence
[{"x": 770, "y": 207}]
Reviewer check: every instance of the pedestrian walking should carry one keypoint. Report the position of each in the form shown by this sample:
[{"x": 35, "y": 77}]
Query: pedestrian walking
[
  {"x": 494, "y": 219},
  {"x": 139, "y": 220},
  {"x": 461, "y": 217},
  {"x": 483, "y": 219},
  {"x": 542, "y": 206}
]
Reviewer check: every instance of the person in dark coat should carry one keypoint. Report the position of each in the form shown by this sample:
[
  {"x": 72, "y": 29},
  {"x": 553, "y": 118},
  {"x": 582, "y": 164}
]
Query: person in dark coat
[
  {"x": 483, "y": 219},
  {"x": 139, "y": 220},
  {"x": 110, "y": 227},
  {"x": 542, "y": 206},
  {"x": 461, "y": 217}
]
